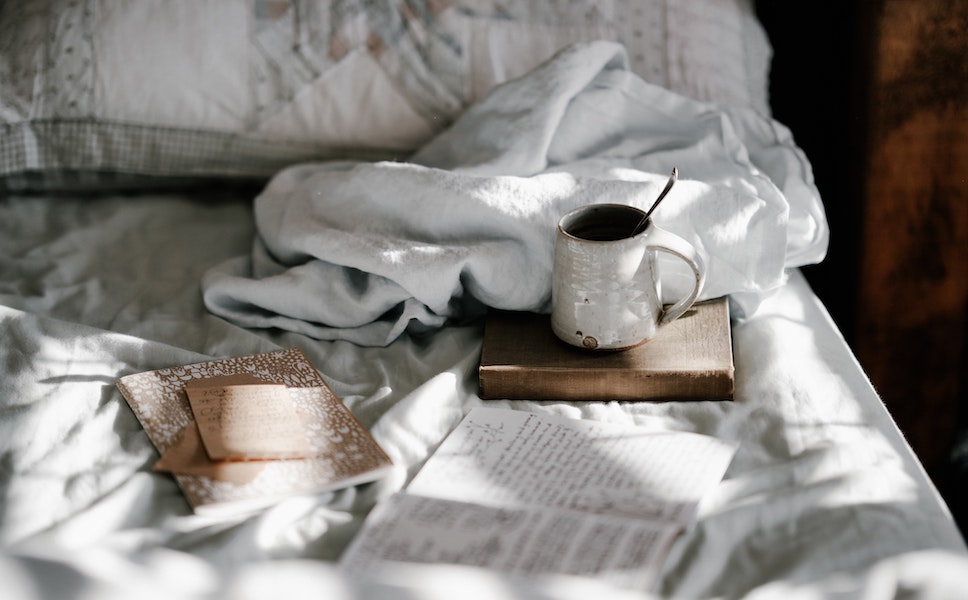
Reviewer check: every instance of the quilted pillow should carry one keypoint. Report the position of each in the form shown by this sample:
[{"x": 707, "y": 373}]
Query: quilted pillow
[{"x": 104, "y": 94}]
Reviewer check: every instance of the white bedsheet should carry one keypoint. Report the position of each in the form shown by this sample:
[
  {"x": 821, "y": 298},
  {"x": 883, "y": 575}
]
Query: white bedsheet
[
  {"x": 824, "y": 494},
  {"x": 824, "y": 498},
  {"x": 365, "y": 251}
]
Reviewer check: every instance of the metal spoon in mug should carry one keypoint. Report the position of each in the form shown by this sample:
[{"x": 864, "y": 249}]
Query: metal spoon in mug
[{"x": 662, "y": 194}]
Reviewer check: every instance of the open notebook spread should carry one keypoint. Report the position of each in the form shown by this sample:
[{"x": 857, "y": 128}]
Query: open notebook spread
[{"x": 533, "y": 494}]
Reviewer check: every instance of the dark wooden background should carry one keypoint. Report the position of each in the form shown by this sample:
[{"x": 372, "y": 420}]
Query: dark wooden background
[{"x": 876, "y": 93}]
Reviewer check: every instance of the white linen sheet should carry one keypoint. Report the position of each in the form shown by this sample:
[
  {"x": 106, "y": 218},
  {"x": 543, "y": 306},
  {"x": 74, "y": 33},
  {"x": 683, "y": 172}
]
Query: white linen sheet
[
  {"x": 363, "y": 251},
  {"x": 823, "y": 499}
]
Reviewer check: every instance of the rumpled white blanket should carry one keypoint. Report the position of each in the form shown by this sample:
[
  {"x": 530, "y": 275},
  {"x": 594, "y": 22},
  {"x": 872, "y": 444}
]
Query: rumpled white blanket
[
  {"x": 364, "y": 252},
  {"x": 823, "y": 501}
]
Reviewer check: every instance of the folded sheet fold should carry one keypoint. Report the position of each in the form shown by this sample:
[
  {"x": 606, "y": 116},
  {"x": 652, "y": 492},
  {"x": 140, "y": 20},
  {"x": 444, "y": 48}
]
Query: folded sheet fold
[{"x": 367, "y": 251}]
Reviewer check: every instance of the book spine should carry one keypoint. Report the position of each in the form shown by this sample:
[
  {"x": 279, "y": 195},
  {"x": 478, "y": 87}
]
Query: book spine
[{"x": 550, "y": 384}]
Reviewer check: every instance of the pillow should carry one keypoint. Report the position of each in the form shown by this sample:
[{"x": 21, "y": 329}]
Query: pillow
[{"x": 137, "y": 93}]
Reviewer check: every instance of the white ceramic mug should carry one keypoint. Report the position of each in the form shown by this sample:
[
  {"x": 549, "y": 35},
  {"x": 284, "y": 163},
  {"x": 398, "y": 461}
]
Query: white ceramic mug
[{"x": 605, "y": 287}]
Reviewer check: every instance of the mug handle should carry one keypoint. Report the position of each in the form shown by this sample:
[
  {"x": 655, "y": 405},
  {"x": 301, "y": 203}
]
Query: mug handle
[{"x": 666, "y": 241}]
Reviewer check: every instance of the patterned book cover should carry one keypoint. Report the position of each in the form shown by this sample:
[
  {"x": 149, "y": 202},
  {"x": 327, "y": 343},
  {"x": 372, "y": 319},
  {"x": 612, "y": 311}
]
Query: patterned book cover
[{"x": 344, "y": 452}]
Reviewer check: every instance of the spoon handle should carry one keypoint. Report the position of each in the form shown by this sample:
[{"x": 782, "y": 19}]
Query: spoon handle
[{"x": 668, "y": 186}]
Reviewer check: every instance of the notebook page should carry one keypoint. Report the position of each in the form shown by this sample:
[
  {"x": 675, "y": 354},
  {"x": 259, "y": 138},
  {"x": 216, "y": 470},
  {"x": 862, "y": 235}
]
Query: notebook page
[{"x": 505, "y": 457}]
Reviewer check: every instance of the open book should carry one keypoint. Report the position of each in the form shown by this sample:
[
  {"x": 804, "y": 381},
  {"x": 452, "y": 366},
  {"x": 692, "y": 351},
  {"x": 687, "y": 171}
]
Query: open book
[
  {"x": 337, "y": 451},
  {"x": 526, "y": 493}
]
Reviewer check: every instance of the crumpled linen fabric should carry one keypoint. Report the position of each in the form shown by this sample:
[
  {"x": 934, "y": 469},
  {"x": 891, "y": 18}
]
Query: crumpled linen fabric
[{"x": 366, "y": 251}]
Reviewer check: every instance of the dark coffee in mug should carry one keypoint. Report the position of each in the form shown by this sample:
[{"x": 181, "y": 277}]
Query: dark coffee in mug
[{"x": 606, "y": 223}]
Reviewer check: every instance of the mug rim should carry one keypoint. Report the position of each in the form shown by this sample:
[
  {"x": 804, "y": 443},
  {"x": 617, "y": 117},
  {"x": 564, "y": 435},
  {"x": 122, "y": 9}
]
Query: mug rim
[{"x": 597, "y": 206}]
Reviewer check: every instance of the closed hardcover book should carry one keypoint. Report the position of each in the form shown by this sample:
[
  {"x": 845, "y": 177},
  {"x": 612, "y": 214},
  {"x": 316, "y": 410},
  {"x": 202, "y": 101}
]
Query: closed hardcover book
[{"x": 690, "y": 359}]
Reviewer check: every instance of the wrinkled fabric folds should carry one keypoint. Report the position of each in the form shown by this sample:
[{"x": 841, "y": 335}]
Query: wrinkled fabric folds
[{"x": 367, "y": 251}]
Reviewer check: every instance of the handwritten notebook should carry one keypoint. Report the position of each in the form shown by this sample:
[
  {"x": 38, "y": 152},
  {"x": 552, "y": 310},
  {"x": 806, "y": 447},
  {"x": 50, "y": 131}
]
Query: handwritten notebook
[
  {"x": 338, "y": 452},
  {"x": 526, "y": 493}
]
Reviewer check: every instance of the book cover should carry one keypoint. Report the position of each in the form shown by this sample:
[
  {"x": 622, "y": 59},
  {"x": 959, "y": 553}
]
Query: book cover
[
  {"x": 539, "y": 494},
  {"x": 690, "y": 359},
  {"x": 341, "y": 453}
]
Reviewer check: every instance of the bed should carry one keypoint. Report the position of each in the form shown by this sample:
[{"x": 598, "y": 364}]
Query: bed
[{"x": 364, "y": 181}]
